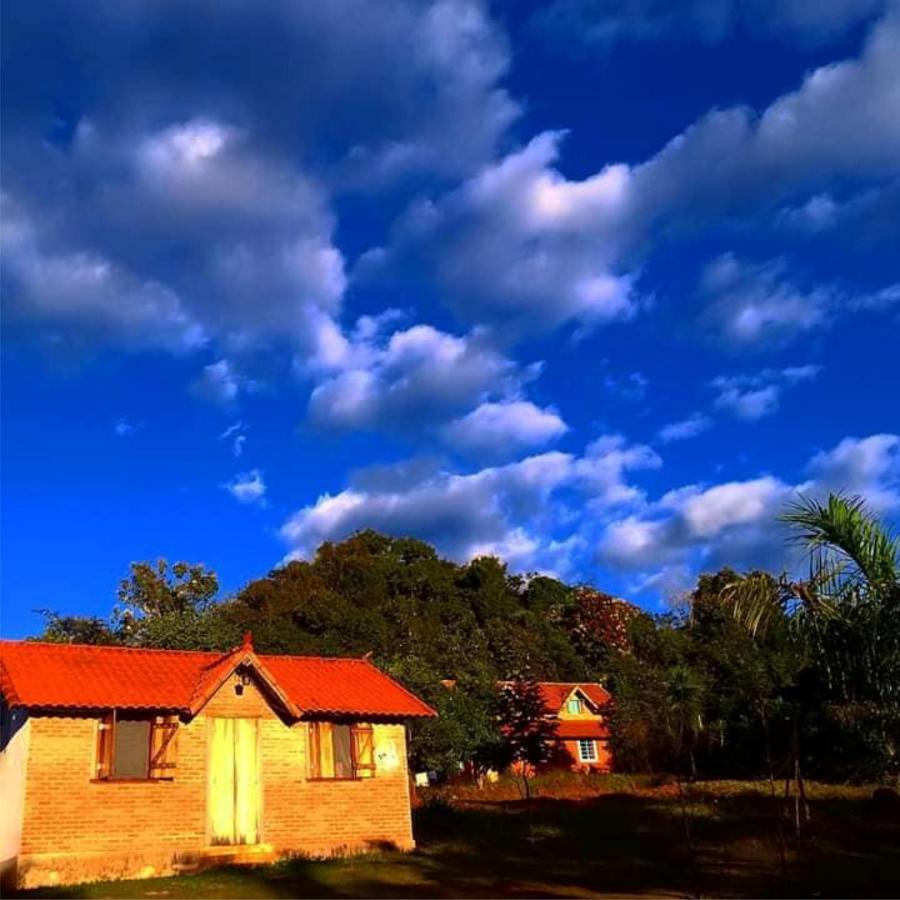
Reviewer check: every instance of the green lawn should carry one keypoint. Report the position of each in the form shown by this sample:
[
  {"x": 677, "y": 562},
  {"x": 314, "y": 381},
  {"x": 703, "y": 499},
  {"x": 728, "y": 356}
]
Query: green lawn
[{"x": 606, "y": 837}]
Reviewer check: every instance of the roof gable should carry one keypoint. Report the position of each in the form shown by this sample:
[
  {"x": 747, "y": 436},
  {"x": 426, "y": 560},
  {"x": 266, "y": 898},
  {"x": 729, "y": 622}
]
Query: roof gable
[
  {"x": 80, "y": 676},
  {"x": 555, "y": 695},
  {"x": 212, "y": 678}
]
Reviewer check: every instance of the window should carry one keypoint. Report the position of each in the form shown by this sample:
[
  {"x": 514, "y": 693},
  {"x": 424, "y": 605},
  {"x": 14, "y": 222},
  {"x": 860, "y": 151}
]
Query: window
[
  {"x": 132, "y": 747},
  {"x": 587, "y": 751},
  {"x": 341, "y": 751},
  {"x": 574, "y": 706}
]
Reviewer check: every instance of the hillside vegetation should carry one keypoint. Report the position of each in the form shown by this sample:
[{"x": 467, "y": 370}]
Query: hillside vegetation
[{"x": 753, "y": 675}]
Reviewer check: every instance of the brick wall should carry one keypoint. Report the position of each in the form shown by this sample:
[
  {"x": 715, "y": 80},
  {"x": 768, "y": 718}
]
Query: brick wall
[
  {"x": 567, "y": 751},
  {"x": 76, "y": 828},
  {"x": 570, "y": 756}
]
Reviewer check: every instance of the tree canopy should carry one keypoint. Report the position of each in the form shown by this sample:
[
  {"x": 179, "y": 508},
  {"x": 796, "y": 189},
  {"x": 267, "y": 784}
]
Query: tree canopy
[{"x": 715, "y": 687}]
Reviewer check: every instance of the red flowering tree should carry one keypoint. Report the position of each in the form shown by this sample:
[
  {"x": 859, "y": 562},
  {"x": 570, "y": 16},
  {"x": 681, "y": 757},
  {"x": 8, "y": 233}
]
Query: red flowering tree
[{"x": 600, "y": 623}]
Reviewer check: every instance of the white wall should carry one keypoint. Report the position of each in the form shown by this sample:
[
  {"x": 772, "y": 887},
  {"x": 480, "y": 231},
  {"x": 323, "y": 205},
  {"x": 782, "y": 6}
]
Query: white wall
[{"x": 13, "y": 758}]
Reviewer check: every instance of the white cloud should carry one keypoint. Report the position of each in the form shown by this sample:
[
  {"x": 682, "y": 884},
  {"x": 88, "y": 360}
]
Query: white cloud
[
  {"x": 207, "y": 161},
  {"x": 504, "y": 428},
  {"x": 184, "y": 147},
  {"x": 869, "y": 467},
  {"x": 761, "y": 306},
  {"x": 415, "y": 376},
  {"x": 634, "y": 542},
  {"x": 125, "y": 428},
  {"x": 247, "y": 487},
  {"x": 731, "y": 523},
  {"x": 236, "y": 434},
  {"x": 749, "y": 403},
  {"x": 219, "y": 383},
  {"x": 558, "y": 512},
  {"x": 735, "y": 523},
  {"x": 632, "y": 386},
  {"x": 755, "y": 396},
  {"x": 90, "y": 292},
  {"x": 685, "y": 429},
  {"x": 382, "y": 90},
  {"x": 841, "y": 123},
  {"x": 256, "y": 259},
  {"x": 709, "y": 512},
  {"x": 513, "y": 510},
  {"x": 819, "y": 213},
  {"x": 201, "y": 194},
  {"x": 882, "y": 299},
  {"x": 463, "y": 515},
  {"x": 522, "y": 245},
  {"x": 758, "y": 305},
  {"x": 859, "y": 218},
  {"x": 256, "y": 233},
  {"x": 601, "y": 470},
  {"x": 602, "y": 22}
]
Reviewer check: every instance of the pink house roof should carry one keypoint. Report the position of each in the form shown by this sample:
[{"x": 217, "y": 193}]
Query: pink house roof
[{"x": 80, "y": 676}]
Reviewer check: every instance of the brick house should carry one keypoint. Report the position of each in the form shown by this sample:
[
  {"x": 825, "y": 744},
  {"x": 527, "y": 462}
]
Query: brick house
[
  {"x": 582, "y": 737},
  {"x": 120, "y": 762}
]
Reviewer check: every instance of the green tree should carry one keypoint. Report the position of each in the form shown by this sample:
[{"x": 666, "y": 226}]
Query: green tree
[
  {"x": 156, "y": 589},
  {"x": 59, "y": 629},
  {"x": 751, "y": 661},
  {"x": 642, "y": 729},
  {"x": 527, "y": 733},
  {"x": 749, "y": 679},
  {"x": 849, "y": 606},
  {"x": 845, "y": 617},
  {"x": 685, "y": 696},
  {"x": 465, "y": 734}
]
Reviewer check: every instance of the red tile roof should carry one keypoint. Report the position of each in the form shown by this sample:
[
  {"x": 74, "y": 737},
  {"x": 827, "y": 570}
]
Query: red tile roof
[
  {"x": 90, "y": 677},
  {"x": 555, "y": 693}
]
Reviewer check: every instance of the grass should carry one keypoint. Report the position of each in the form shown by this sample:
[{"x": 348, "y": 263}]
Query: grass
[{"x": 584, "y": 837}]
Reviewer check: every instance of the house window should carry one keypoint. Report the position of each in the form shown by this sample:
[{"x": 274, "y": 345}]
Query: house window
[
  {"x": 341, "y": 751},
  {"x": 587, "y": 751},
  {"x": 574, "y": 706},
  {"x": 136, "y": 747}
]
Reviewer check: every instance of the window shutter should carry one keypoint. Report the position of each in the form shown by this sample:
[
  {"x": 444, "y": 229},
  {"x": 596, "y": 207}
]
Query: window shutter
[
  {"x": 363, "y": 751},
  {"x": 315, "y": 752},
  {"x": 105, "y": 745},
  {"x": 163, "y": 730}
]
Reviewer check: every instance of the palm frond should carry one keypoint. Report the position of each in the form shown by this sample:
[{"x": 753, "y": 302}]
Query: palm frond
[
  {"x": 851, "y": 552},
  {"x": 755, "y": 601}
]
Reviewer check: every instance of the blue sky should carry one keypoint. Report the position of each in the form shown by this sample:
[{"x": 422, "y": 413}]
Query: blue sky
[{"x": 594, "y": 286}]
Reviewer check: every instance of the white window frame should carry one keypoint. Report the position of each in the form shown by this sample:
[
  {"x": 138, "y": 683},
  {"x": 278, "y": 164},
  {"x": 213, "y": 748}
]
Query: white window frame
[
  {"x": 579, "y": 705},
  {"x": 592, "y": 754}
]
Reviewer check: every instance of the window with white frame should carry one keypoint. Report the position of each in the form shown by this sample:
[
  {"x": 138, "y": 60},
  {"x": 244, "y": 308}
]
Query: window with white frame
[
  {"x": 574, "y": 706},
  {"x": 587, "y": 751}
]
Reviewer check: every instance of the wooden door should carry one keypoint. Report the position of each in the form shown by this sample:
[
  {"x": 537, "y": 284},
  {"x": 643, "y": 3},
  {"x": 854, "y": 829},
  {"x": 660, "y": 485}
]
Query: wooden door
[{"x": 233, "y": 783}]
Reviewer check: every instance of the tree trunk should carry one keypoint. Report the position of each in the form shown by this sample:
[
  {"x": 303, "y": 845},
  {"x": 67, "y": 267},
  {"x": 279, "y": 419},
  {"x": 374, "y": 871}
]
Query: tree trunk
[
  {"x": 770, "y": 770},
  {"x": 801, "y": 788},
  {"x": 528, "y": 808}
]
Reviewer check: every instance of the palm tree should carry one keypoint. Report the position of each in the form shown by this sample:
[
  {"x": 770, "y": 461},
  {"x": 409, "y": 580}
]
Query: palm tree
[
  {"x": 844, "y": 617},
  {"x": 847, "y": 612}
]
